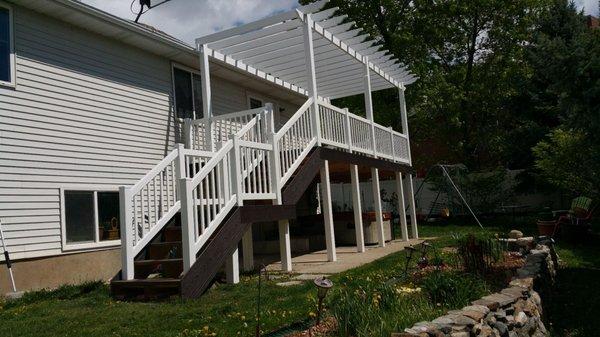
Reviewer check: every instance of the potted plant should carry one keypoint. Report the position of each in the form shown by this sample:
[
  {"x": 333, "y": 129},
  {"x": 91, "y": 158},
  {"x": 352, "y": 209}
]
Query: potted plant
[{"x": 546, "y": 223}]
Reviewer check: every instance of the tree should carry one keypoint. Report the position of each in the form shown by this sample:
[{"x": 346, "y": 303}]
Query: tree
[
  {"x": 565, "y": 56},
  {"x": 467, "y": 55}
]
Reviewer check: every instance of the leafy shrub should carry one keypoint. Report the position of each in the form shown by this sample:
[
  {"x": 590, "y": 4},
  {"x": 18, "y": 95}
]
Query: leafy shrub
[
  {"x": 452, "y": 289},
  {"x": 477, "y": 252}
]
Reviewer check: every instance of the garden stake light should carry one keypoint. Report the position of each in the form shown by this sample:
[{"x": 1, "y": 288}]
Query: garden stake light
[
  {"x": 411, "y": 250},
  {"x": 423, "y": 261},
  {"x": 262, "y": 270},
  {"x": 323, "y": 286}
]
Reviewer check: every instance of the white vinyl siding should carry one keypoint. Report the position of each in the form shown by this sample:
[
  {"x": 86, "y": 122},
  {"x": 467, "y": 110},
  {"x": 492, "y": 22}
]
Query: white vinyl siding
[{"x": 87, "y": 112}]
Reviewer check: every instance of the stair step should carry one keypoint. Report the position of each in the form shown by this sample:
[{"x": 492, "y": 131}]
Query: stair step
[
  {"x": 169, "y": 268},
  {"x": 161, "y": 250},
  {"x": 145, "y": 289},
  {"x": 172, "y": 234}
]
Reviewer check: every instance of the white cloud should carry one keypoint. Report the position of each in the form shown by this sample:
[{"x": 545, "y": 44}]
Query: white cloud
[
  {"x": 589, "y": 6},
  {"x": 190, "y": 19}
]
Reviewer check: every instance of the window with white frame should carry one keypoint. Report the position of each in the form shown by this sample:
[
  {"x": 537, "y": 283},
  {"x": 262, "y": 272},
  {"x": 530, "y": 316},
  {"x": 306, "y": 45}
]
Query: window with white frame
[
  {"x": 188, "y": 93},
  {"x": 7, "y": 57},
  {"x": 90, "y": 218}
]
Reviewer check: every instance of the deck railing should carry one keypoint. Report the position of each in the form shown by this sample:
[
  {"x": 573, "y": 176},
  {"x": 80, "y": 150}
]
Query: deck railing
[{"x": 243, "y": 159}]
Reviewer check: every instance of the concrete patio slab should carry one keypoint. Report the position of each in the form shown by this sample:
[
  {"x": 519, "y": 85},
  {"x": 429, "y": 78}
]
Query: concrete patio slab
[{"x": 347, "y": 258}]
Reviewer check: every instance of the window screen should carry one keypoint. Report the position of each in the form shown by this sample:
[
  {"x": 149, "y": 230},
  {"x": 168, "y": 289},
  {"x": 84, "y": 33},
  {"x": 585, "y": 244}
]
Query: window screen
[
  {"x": 184, "y": 103},
  {"x": 108, "y": 216},
  {"x": 5, "y": 65}
]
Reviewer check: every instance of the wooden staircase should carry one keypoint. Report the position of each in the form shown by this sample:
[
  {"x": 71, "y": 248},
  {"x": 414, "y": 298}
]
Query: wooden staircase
[{"x": 159, "y": 267}]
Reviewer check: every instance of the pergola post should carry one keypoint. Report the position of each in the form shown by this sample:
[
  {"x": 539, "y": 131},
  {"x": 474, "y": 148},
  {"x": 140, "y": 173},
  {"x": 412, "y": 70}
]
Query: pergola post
[
  {"x": 358, "y": 223},
  {"x": 206, "y": 95},
  {"x": 377, "y": 206},
  {"x": 369, "y": 104},
  {"x": 248, "y": 250},
  {"x": 285, "y": 247},
  {"x": 232, "y": 267},
  {"x": 401, "y": 206},
  {"x": 311, "y": 75},
  {"x": 404, "y": 120},
  {"x": 328, "y": 212},
  {"x": 409, "y": 182},
  {"x": 412, "y": 207}
]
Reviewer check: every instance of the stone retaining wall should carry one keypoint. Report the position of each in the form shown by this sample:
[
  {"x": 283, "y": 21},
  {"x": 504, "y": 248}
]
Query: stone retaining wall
[{"x": 516, "y": 311}]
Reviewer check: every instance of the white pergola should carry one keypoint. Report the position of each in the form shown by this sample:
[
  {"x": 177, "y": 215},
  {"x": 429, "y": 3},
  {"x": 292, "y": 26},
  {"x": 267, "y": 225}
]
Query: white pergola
[
  {"x": 316, "y": 54},
  {"x": 310, "y": 51}
]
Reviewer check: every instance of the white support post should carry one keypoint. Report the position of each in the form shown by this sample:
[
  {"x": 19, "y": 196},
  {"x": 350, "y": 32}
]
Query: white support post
[
  {"x": 248, "y": 250},
  {"x": 401, "y": 206},
  {"x": 188, "y": 139},
  {"x": 328, "y": 212},
  {"x": 285, "y": 246},
  {"x": 369, "y": 104},
  {"x": 232, "y": 267},
  {"x": 126, "y": 222},
  {"x": 358, "y": 223},
  {"x": 412, "y": 207},
  {"x": 274, "y": 158},
  {"x": 392, "y": 143},
  {"x": 206, "y": 96},
  {"x": 404, "y": 119},
  {"x": 309, "y": 53},
  {"x": 377, "y": 206}
]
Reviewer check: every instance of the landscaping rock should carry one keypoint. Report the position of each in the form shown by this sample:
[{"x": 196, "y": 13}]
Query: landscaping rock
[
  {"x": 513, "y": 312},
  {"x": 515, "y": 234},
  {"x": 521, "y": 319}
]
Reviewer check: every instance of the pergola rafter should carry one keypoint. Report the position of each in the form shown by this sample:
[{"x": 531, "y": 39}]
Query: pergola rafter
[{"x": 274, "y": 48}]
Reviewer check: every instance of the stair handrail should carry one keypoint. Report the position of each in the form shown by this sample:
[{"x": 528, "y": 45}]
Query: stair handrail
[
  {"x": 133, "y": 224},
  {"x": 287, "y": 160},
  {"x": 224, "y": 188}
]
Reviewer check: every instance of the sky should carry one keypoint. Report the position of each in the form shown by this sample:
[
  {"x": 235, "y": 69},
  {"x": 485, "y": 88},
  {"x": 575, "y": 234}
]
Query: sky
[{"x": 190, "y": 19}]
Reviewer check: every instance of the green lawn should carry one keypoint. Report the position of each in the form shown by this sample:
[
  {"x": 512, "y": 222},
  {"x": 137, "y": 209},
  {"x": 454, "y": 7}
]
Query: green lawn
[{"x": 230, "y": 310}]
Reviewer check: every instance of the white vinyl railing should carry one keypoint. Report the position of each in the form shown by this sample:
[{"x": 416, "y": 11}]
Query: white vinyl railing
[
  {"x": 339, "y": 128},
  {"x": 253, "y": 162},
  {"x": 240, "y": 170},
  {"x": 293, "y": 142}
]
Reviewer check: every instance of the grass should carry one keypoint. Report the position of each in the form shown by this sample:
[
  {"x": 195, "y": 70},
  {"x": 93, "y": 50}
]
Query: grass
[{"x": 228, "y": 310}]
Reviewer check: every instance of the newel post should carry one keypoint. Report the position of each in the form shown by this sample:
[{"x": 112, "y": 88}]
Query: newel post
[
  {"x": 348, "y": 129},
  {"x": 274, "y": 158},
  {"x": 237, "y": 171},
  {"x": 187, "y": 223},
  {"x": 126, "y": 215},
  {"x": 188, "y": 133}
]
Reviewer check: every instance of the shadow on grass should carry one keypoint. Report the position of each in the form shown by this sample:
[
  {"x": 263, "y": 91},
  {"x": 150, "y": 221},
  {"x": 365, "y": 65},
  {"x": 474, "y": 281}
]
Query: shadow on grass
[{"x": 573, "y": 307}]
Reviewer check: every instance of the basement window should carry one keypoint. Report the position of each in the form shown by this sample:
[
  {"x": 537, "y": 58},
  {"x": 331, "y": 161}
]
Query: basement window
[
  {"x": 89, "y": 219},
  {"x": 7, "y": 56}
]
